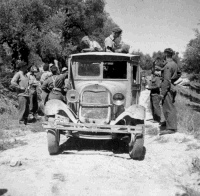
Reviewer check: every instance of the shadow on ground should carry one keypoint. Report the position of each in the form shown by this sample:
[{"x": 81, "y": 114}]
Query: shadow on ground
[
  {"x": 34, "y": 126},
  {"x": 117, "y": 147}
]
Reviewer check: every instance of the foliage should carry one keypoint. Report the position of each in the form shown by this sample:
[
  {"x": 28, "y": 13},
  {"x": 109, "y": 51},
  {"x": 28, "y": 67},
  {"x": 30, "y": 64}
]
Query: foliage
[
  {"x": 146, "y": 61},
  {"x": 158, "y": 54},
  {"x": 188, "y": 112},
  {"x": 191, "y": 58},
  {"x": 51, "y": 28}
]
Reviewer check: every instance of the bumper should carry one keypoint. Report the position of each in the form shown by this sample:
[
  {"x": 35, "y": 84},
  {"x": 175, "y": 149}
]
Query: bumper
[{"x": 93, "y": 131}]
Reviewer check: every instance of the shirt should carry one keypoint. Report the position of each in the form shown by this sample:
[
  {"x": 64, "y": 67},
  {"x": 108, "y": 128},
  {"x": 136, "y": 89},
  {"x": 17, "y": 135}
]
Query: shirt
[
  {"x": 110, "y": 44},
  {"x": 95, "y": 45},
  {"x": 20, "y": 80},
  {"x": 45, "y": 75},
  {"x": 55, "y": 81},
  {"x": 32, "y": 79},
  {"x": 155, "y": 85}
]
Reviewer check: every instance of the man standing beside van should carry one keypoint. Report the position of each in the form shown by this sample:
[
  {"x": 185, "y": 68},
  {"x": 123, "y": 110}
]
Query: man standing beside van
[
  {"x": 168, "y": 92},
  {"x": 20, "y": 83}
]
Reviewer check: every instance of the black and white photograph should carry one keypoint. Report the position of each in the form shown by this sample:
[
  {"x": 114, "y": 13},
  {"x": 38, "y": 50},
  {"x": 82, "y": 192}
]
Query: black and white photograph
[{"x": 99, "y": 98}]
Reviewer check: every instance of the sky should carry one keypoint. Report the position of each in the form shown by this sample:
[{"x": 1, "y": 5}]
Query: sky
[{"x": 153, "y": 25}]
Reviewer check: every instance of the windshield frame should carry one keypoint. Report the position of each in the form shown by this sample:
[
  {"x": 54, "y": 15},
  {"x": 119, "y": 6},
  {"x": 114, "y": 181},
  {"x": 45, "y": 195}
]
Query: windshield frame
[{"x": 74, "y": 66}]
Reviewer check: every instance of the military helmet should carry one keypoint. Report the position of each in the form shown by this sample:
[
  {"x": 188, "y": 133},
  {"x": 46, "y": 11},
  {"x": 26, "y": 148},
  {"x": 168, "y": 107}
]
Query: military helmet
[
  {"x": 64, "y": 69},
  {"x": 169, "y": 50}
]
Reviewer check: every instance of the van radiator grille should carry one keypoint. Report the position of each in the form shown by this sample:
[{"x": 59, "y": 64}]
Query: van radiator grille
[{"x": 100, "y": 96}]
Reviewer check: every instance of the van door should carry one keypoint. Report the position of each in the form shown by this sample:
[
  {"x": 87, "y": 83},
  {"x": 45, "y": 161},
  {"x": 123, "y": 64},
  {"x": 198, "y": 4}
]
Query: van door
[{"x": 135, "y": 87}]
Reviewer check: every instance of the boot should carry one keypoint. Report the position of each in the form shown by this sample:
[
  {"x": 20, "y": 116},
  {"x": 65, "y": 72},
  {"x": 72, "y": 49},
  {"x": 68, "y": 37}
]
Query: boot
[
  {"x": 167, "y": 131},
  {"x": 162, "y": 124}
]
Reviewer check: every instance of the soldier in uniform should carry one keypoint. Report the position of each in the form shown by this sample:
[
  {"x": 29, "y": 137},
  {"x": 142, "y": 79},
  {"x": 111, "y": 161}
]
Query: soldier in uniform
[
  {"x": 154, "y": 87},
  {"x": 168, "y": 93},
  {"x": 47, "y": 85},
  {"x": 55, "y": 84}
]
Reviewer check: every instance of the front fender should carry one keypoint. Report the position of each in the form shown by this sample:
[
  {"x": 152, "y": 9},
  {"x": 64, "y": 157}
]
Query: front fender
[
  {"x": 54, "y": 106},
  {"x": 132, "y": 112}
]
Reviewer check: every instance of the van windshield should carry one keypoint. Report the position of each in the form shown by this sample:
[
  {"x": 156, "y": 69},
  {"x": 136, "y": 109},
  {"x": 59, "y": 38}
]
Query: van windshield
[
  {"x": 111, "y": 69},
  {"x": 88, "y": 69}
]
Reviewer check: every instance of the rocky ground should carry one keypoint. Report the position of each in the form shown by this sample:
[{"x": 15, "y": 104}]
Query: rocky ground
[{"x": 168, "y": 168}]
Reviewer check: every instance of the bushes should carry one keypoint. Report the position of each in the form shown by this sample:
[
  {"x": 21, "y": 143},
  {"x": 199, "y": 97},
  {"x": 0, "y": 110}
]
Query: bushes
[
  {"x": 8, "y": 113},
  {"x": 188, "y": 117},
  {"x": 8, "y": 100},
  {"x": 191, "y": 58},
  {"x": 50, "y": 28}
]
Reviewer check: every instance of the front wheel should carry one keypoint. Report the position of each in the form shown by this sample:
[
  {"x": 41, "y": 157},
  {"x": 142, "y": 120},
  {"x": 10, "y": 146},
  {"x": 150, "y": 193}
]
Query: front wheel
[
  {"x": 53, "y": 139},
  {"x": 136, "y": 147}
]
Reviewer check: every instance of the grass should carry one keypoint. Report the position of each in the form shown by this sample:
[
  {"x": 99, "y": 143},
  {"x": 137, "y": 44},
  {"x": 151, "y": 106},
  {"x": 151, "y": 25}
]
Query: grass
[
  {"x": 188, "y": 118},
  {"x": 188, "y": 114},
  {"x": 10, "y": 129},
  {"x": 8, "y": 102},
  {"x": 9, "y": 126},
  {"x": 8, "y": 113},
  {"x": 190, "y": 94}
]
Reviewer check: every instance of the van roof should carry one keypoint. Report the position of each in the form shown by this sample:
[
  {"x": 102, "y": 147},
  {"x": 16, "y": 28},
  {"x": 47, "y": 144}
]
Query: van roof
[{"x": 104, "y": 56}]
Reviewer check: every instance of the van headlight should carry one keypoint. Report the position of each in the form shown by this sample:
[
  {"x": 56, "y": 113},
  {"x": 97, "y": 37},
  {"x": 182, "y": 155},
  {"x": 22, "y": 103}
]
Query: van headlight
[
  {"x": 118, "y": 99},
  {"x": 72, "y": 96}
]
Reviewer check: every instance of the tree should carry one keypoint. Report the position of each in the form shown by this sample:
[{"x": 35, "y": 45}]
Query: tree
[
  {"x": 158, "y": 54},
  {"x": 146, "y": 61},
  {"x": 191, "y": 58},
  {"x": 51, "y": 28}
]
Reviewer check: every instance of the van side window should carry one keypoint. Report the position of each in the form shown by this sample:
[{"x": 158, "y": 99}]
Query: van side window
[{"x": 134, "y": 73}]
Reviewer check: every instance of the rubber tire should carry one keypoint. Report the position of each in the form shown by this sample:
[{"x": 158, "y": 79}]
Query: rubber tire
[
  {"x": 136, "y": 147},
  {"x": 53, "y": 139}
]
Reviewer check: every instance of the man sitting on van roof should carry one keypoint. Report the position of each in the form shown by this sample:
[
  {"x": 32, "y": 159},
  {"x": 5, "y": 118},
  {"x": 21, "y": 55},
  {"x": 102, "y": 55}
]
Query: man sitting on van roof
[
  {"x": 110, "y": 42},
  {"x": 90, "y": 46}
]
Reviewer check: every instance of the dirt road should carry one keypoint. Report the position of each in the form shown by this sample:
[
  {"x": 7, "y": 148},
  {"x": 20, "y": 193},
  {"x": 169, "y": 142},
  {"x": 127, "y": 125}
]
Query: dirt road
[{"x": 96, "y": 170}]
